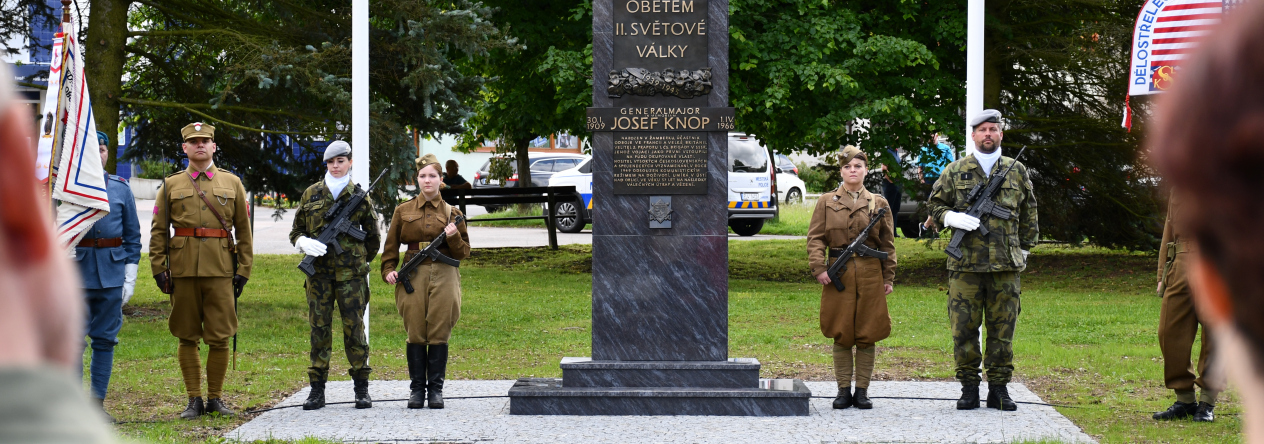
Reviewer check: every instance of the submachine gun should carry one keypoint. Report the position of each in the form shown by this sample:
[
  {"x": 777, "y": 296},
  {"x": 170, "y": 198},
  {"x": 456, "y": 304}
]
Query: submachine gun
[
  {"x": 430, "y": 252},
  {"x": 982, "y": 203},
  {"x": 856, "y": 248},
  {"x": 340, "y": 222}
]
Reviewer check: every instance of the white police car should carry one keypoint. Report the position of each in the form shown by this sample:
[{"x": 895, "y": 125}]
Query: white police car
[{"x": 750, "y": 202}]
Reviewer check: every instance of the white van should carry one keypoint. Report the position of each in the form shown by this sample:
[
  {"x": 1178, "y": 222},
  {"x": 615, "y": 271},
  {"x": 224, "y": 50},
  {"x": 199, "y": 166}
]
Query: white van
[{"x": 750, "y": 200}]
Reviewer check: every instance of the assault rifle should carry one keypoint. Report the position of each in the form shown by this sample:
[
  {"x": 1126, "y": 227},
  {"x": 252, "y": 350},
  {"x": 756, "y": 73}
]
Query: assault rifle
[
  {"x": 856, "y": 248},
  {"x": 430, "y": 252},
  {"x": 340, "y": 222},
  {"x": 982, "y": 203}
]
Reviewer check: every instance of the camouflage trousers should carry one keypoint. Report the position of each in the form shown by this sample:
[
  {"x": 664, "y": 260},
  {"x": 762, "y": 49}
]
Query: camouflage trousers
[
  {"x": 351, "y": 297},
  {"x": 991, "y": 299}
]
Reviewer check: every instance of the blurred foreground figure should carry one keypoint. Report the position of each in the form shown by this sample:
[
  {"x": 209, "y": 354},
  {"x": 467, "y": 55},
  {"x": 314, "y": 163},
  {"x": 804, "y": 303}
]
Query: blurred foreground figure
[
  {"x": 41, "y": 323},
  {"x": 1209, "y": 143}
]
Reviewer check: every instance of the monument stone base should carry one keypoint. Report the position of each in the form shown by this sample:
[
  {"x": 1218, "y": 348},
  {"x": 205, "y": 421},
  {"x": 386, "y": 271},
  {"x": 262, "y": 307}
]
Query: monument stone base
[{"x": 702, "y": 388}]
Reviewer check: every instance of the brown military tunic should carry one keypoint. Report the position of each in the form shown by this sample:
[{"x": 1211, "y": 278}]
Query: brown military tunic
[
  {"x": 201, "y": 264},
  {"x": 857, "y": 315},
  {"x": 434, "y": 307},
  {"x": 1178, "y": 320}
]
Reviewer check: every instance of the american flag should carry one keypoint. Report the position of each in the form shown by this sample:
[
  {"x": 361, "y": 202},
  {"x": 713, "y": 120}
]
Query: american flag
[
  {"x": 1177, "y": 30},
  {"x": 1166, "y": 32}
]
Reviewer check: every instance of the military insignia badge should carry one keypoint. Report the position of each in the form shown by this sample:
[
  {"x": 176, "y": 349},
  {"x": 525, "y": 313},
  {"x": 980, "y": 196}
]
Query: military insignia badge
[
  {"x": 197, "y": 126},
  {"x": 660, "y": 211},
  {"x": 967, "y": 176}
]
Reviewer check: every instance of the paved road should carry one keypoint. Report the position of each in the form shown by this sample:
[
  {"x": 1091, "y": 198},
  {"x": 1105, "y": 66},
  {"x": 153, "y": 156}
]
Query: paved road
[
  {"x": 488, "y": 420},
  {"x": 273, "y": 236}
]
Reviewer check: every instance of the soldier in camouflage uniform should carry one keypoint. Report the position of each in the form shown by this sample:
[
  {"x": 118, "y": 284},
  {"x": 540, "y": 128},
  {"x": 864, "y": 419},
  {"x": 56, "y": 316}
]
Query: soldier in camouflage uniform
[
  {"x": 984, "y": 285},
  {"x": 340, "y": 278}
]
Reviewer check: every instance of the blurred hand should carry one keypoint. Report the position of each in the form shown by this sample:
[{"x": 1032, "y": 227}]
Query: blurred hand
[
  {"x": 450, "y": 230},
  {"x": 391, "y": 277},
  {"x": 824, "y": 278},
  {"x": 888, "y": 288},
  {"x": 42, "y": 319}
]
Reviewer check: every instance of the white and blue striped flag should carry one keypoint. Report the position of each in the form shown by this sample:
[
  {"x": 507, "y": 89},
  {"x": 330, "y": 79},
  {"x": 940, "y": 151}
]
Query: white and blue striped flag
[{"x": 79, "y": 178}]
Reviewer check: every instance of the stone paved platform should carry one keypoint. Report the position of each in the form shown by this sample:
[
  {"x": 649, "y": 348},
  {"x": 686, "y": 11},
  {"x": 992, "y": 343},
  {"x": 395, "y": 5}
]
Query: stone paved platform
[{"x": 488, "y": 420}]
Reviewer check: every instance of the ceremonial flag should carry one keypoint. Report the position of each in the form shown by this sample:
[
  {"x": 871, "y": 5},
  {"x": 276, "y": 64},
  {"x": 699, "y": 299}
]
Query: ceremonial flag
[
  {"x": 1166, "y": 32},
  {"x": 48, "y": 113},
  {"x": 79, "y": 180}
]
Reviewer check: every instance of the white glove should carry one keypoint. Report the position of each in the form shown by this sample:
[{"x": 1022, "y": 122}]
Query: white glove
[
  {"x": 309, "y": 246},
  {"x": 129, "y": 281},
  {"x": 961, "y": 220},
  {"x": 1025, "y": 254}
]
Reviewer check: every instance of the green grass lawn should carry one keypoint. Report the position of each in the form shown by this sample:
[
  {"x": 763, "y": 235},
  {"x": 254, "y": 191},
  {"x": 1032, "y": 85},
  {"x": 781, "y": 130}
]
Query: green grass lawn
[{"x": 1086, "y": 336}]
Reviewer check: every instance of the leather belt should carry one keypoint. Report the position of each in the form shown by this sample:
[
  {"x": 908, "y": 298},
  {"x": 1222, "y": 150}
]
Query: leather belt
[
  {"x": 202, "y": 232},
  {"x": 833, "y": 252},
  {"x": 414, "y": 246},
  {"x": 101, "y": 243}
]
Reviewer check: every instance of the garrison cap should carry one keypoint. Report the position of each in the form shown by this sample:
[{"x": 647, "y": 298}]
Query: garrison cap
[
  {"x": 198, "y": 129},
  {"x": 850, "y": 152},
  {"x": 337, "y": 148},
  {"x": 102, "y": 139},
  {"x": 427, "y": 160},
  {"x": 987, "y": 115}
]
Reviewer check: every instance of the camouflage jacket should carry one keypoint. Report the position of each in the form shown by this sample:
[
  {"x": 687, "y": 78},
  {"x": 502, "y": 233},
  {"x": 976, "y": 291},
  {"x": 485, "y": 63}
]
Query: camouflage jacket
[
  {"x": 353, "y": 263},
  {"x": 1002, "y": 249}
]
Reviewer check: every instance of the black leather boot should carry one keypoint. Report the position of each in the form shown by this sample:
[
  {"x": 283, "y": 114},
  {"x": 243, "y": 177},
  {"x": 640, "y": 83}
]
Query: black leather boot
[
  {"x": 315, "y": 398},
  {"x": 1204, "y": 413},
  {"x": 417, "y": 373},
  {"x": 363, "y": 401},
  {"x": 101, "y": 403},
  {"x": 194, "y": 409},
  {"x": 1178, "y": 410},
  {"x": 998, "y": 398},
  {"x": 217, "y": 406},
  {"x": 436, "y": 365},
  {"x": 861, "y": 398},
  {"x": 843, "y": 400},
  {"x": 969, "y": 397}
]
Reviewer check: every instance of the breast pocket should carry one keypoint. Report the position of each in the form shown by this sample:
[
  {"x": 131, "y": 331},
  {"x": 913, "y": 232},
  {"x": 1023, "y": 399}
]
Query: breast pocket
[
  {"x": 413, "y": 227},
  {"x": 961, "y": 192},
  {"x": 181, "y": 204},
  {"x": 225, "y": 199},
  {"x": 314, "y": 216}
]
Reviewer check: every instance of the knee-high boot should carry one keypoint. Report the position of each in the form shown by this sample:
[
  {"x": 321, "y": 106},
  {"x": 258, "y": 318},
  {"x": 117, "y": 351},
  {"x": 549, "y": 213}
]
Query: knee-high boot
[
  {"x": 417, "y": 373},
  {"x": 437, "y": 365}
]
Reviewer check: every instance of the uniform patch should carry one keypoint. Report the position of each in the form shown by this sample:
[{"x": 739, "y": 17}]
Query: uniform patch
[{"x": 967, "y": 176}]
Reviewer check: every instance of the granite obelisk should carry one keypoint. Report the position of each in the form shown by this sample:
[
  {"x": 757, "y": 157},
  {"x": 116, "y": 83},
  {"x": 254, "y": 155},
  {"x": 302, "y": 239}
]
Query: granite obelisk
[{"x": 659, "y": 123}]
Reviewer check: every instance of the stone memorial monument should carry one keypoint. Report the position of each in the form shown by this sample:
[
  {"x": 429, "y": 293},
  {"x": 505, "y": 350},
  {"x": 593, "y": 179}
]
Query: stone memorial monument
[{"x": 660, "y": 122}]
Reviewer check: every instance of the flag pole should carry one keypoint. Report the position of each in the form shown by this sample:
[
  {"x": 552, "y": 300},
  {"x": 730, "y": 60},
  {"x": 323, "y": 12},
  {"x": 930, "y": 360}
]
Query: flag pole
[{"x": 59, "y": 124}]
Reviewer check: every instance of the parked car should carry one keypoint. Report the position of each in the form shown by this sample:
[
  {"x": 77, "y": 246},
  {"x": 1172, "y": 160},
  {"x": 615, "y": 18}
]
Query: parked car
[
  {"x": 543, "y": 167},
  {"x": 790, "y": 188},
  {"x": 750, "y": 190},
  {"x": 751, "y": 200},
  {"x": 573, "y": 215}
]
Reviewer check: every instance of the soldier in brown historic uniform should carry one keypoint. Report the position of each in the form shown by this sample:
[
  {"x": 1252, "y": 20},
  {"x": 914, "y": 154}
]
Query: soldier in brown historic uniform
[
  {"x": 202, "y": 264},
  {"x": 1178, "y": 324},
  {"x": 434, "y": 306},
  {"x": 857, "y": 316}
]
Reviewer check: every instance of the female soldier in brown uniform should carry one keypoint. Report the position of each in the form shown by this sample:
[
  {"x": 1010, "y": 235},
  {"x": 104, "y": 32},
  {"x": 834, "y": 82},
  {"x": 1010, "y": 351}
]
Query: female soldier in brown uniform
[
  {"x": 856, "y": 316},
  {"x": 434, "y": 307}
]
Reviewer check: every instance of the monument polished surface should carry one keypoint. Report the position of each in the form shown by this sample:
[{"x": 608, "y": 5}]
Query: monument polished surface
[{"x": 659, "y": 121}]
